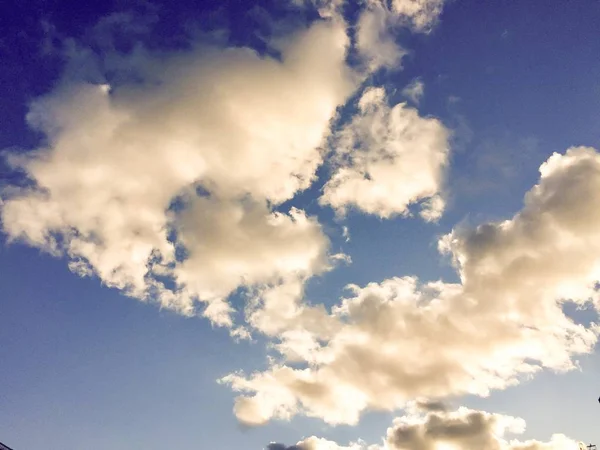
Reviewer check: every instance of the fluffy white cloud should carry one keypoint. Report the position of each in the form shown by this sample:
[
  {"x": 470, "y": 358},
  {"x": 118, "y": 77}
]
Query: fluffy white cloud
[
  {"x": 393, "y": 341},
  {"x": 388, "y": 158},
  {"x": 463, "y": 429},
  {"x": 234, "y": 123},
  {"x": 240, "y": 125}
]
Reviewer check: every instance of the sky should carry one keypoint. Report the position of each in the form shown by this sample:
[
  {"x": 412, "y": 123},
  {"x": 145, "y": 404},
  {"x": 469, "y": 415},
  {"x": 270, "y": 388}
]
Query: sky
[{"x": 299, "y": 224}]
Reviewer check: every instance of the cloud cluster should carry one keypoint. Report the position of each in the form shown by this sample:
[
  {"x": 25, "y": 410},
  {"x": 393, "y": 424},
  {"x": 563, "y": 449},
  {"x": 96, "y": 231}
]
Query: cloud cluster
[
  {"x": 393, "y": 341},
  {"x": 463, "y": 429},
  {"x": 170, "y": 187},
  {"x": 115, "y": 183},
  {"x": 167, "y": 184},
  {"x": 388, "y": 158}
]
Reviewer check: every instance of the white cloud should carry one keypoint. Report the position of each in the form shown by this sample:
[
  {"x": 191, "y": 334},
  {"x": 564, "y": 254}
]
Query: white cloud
[
  {"x": 241, "y": 125},
  {"x": 315, "y": 443},
  {"x": 376, "y": 37},
  {"x": 237, "y": 124},
  {"x": 463, "y": 429},
  {"x": 397, "y": 340},
  {"x": 414, "y": 90},
  {"x": 432, "y": 208},
  {"x": 466, "y": 429},
  {"x": 233, "y": 244},
  {"x": 375, "y": 41},
  {"x": 420, "y": 15},
  {"x": 346, "y": 233},
  {"x": 389, "y": 158},
  {"x": 326, "y": 8}
]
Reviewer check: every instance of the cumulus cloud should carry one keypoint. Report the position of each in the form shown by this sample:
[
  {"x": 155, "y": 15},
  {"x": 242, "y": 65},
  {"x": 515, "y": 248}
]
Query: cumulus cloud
[
  {"x": 467, "y": 429},
  {"x": 167, "y": 188},
  {"x": 390, "y": 342},
  {"x": 388, "y": 158},
  {"x": 232, "y": 244},
  {"x": 463, "y": 429},
  {"x": 243, "y": 127}
]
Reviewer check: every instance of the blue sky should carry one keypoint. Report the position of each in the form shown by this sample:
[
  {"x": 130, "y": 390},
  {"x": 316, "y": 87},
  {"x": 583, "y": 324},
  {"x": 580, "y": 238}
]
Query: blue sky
[{"x": 108, "y": 340}]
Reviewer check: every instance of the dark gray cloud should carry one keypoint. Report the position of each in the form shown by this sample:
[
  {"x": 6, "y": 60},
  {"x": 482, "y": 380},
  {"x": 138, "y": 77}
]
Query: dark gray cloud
[
  {"x": 471, "y": 430},
  {"x": 432, "y": 406},
  {"x": 277, "y": 446}
]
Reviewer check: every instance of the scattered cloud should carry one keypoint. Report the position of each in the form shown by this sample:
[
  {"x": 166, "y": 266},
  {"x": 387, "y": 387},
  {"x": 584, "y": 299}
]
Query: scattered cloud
[
  {"x": 376, "y": 37},
  {"x": 420, "y": 15},
  {"x": 389, "y": 158},
  {"x": 374, "y": 40},
  {"x": 414, "y": 90},
  {"x": 463, "y": 429},
  {"x": 326, "y": 8},
  {"x": 171, "y": 188},
  {"x": 315, "y": 443},
  {"x": 503, "y": 322},
  {"x": 231, "y": 244},
  {"x": 346, "y": 233},
  {"x": 114, "y": 186}
]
